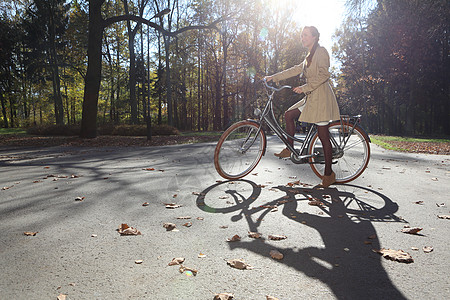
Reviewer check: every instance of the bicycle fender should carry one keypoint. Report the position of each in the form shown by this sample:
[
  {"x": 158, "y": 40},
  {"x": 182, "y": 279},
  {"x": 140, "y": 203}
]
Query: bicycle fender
[
  {"x": 365, "y": 133},
  {"x": 262, "y": 132}
]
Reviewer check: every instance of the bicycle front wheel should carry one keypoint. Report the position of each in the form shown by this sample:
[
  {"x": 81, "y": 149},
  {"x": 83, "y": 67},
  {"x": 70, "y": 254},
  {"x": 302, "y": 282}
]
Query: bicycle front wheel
[
  {"x": 239, "y": 150},
  {"x": 350, "y": 161}
]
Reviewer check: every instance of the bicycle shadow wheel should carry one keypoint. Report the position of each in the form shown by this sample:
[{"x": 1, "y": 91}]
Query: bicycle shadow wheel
[{"x": 228, "y": 196}]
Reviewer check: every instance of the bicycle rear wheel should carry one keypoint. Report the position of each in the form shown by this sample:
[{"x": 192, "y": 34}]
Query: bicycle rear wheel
[
  {"x": 351, "y": 161},
  {"x": 239, "y": 150}
]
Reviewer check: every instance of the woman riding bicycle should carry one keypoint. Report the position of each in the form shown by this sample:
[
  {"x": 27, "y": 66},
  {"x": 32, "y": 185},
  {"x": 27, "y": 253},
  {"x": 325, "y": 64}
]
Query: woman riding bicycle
[{"x": 320, "y": 106}]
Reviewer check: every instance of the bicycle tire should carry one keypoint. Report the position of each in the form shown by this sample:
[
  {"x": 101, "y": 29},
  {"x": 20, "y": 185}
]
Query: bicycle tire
[
  {"x": 230, "y": 160},
  {"x": 349, "y": 164}
]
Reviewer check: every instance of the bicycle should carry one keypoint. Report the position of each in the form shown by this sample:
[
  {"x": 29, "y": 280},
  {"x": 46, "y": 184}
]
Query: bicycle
[{"x": 241, "y": 147}]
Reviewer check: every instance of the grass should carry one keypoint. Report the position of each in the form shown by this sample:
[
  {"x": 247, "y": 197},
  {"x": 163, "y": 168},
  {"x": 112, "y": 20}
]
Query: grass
[
  {"x": 16, "y": 131},
  {"x": 385, "y": 141}
]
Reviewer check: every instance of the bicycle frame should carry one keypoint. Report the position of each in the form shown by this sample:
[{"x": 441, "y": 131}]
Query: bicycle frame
[{"x": 267, "y": 116}]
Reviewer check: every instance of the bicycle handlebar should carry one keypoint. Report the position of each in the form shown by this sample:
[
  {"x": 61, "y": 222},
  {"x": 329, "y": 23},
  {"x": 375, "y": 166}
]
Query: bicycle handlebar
[{"x": 274, "y": 88}]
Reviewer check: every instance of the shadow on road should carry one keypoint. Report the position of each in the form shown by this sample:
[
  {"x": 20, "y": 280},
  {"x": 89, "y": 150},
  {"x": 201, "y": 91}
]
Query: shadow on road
[{"x": 345, "y": 262}]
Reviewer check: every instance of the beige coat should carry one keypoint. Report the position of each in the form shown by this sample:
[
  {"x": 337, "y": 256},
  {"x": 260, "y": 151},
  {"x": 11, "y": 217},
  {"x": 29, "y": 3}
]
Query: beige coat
[{"x": 321, "y": 104}]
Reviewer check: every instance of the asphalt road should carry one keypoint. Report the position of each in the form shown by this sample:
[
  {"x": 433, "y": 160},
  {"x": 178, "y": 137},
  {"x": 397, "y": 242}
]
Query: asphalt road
[{"x": 78, "y": 252}]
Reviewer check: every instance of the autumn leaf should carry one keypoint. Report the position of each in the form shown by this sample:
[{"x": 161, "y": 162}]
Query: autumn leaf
[
  {"x": 223, "y": 296},
  {"x": 145, "y": 204},
  {"x": 271, "y": 298},
  {"x": 79, "y": 198},
  {"x": 138, "y": 262},
  {"x": 427, "y": 249},
  {"x": 172, "y": 205},
  {"x": 444, "y": 217},
  {"x": 62, "y": 297},
  {"x": 188, "y": 224},
  {"x": 277, "y": 237},
  {"x": 170, "y": 226},
  {"x": 254, "y": 235},
  {"x": 184, "y": 218},
  {"x": 239, "y": 264},
  {"x": 188, "y": 271},
  {"x": 396, "y": 255},
  {"x": 235, "y": 238},
  {"x": 275, "y": 254},
  {"x": 411, "y": 230},
  {"x": 124, "y": 229},
  {"x": 149, "y": 169},
  {"x": 177, "y": 261},
  {"x": 30, "y": 233}
]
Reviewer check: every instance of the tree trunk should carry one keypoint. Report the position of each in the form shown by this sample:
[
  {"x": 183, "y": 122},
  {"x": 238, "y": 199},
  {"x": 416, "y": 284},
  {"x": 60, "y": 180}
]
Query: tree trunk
[{"x": 94, "y": 70}]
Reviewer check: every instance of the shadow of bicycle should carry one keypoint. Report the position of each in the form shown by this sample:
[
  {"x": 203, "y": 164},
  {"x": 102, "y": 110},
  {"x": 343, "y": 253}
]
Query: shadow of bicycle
[{"x": 344, "y": 218}]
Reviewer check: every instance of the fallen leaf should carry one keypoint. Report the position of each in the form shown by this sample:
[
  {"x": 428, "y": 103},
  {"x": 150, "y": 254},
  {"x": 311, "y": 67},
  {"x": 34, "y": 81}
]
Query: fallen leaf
[
  {"x": 411, "y": 230},
  {"x": 271, "y": 298},
  {"x": 434, "y": 179},
  {"x": 184, "y": 218},
  {"x": 239, "y": 264},
  {"x": 201, "y": 255},
  {"x": 30, "y": 233},
  {"x": 235, "y": 238},
  {"x": 200, "y": 218},
  {"x": 277, "y": 237},
  {"x": 223, "y": 296},
  {"x": 440, "y": 205},
  {"x": 79, "y": 198},
  {"x": 172, "y": 205},
  {"x": 414, "y": 248},
  {"x": 62, "y": 297},
  {"x": 177, "y": 261},
  {"x": 188, "y": 271},
  {"x": 124, "y": 229},
  {"x": 188, "y": 224},
  {"x": 169, "y": 226},
  {"x": 145, "y": 204},
  {"x": 149, "y": 169},
  {"x": 255, "y": 235},
  {"x": 427, "y": 249},
  {"x": 367, "y": 242},
  {"x": 443, "y": 216},
  {"x": 315, "y": 202},
  {"x": 93, "y": 235},
  {"x": 291, "y": 184},
  {"x": 223, "y": 227},
  {"x": 275, "y": 254},
  {"x": 419, "y": 202},
  {"x": 138, "y": 262},
  {"x": 373, "y": 236},
  {"x": 396, "y": 255}
]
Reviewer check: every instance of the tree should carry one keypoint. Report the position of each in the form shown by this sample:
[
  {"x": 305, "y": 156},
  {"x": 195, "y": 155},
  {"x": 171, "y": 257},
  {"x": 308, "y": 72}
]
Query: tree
[{"x": 93, "y": 76}]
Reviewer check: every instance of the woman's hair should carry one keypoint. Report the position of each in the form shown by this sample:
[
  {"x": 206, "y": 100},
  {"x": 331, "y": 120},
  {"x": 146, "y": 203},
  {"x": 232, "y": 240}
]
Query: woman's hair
[{"x": 315, "y": 33}]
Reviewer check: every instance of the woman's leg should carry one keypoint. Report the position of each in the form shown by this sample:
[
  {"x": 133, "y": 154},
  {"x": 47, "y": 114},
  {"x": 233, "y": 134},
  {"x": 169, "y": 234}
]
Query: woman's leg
[
  {"x": 291, "y": 116},
  {"x": 324, "y": 136}
]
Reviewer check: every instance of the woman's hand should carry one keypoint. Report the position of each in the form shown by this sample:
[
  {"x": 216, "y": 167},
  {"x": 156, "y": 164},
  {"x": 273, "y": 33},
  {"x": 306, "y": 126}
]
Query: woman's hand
[{"x": 298, "y": 90}]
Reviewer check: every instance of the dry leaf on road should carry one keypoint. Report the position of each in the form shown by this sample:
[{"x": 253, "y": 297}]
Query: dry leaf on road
[
  {"x": 277, "y": 237},
  {"x": 397, "y": 255},
  {"x": 443, "y": 216},
  {"x": 188, "y": 271},
  {"x": 239, "y": 264},
  {"x": 30, "y": 233},
  {"x": 124, "y": 229},
  {"x": 235, "y": 238},
  {"x": 411, "y": 230},
  {"x": 62, "y": 297},
  {"x": 255, "y": 235},
  {"x": 427, "y": 249},
  {"x": 270, "y": 298},
  {"x": 170, "y": 226},
  {"x": 275, "y": 254},
  {"x": 176, "y": 261},
  {"x": 223, "y": 296},
  {"x": 172, "y": 205}
]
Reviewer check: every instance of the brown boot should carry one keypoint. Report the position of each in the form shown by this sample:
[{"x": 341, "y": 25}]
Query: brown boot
[
  {"x": 284, "y": 153},
  {"x": 328, "y": 180}
]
